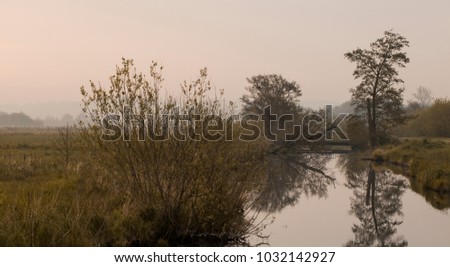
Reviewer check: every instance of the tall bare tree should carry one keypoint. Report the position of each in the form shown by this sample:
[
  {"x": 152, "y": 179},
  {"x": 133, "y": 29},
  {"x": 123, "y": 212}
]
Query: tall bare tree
[{"x": 377, "y": 96}]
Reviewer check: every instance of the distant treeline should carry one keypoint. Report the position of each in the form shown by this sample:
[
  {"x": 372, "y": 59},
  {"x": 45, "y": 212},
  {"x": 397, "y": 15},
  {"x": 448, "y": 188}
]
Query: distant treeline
[
  {"x": 17, "y": 120},
  {"x": 21, "y": 119},
  {"x": 432, "y": 121}
]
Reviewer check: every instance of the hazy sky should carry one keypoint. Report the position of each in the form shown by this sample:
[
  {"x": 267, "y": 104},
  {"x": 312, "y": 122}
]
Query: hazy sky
[{"x": 48, "y": 49}]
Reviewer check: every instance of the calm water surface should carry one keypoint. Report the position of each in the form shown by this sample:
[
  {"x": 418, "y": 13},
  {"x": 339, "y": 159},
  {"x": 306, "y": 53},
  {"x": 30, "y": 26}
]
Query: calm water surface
[{"x": 365, "y": 205}]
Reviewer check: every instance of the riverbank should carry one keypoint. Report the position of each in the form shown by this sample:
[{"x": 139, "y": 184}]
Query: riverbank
[{"x": 426, "y": 161}]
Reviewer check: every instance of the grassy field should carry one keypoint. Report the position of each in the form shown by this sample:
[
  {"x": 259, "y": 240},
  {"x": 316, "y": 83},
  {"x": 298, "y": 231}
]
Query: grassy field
[
  {"x": 427, "y": 161},
  {"x": 47, "y": 201},
  {"x": 43, "y": 201}
]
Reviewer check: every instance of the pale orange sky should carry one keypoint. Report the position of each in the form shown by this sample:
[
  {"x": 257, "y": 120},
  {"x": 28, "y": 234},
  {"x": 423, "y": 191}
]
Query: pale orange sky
[{"x": 48, "y": 49}]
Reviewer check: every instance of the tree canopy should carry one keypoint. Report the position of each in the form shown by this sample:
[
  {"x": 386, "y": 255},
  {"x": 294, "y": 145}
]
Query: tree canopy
[{"x": 271, "y": 90}]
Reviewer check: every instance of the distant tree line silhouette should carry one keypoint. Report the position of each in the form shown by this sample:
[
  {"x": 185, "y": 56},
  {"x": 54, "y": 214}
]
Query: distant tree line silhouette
[{"x": 17, "y": 120}]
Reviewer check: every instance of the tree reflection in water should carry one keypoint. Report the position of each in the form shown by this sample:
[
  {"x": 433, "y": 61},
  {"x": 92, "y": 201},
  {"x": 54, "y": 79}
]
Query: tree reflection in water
[
  {"x": 290, "y": 175},
  {"x": 376, "y": 203}
]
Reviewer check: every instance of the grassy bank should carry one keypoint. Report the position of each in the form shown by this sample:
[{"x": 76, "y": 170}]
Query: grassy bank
[{"x": 426, "y": 161}]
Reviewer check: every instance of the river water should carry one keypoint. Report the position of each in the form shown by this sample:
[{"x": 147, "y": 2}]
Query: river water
[{"x": 366, "y": 205}]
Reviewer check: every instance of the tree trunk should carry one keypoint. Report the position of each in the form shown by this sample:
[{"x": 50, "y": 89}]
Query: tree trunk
[{"x": 372, "y": 126}]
